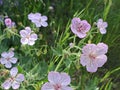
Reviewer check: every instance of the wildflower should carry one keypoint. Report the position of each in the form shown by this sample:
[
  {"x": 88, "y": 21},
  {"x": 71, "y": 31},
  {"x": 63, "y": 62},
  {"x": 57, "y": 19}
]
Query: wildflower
[
  {"x": 14, "y": 80},
  {"x": 80, "y": 27},
  {"x": 93, "y": 56},
  {"x": 28, "y": 37},
  {"x": 102, "y": 26},
  {"x": 9, "y": 23},
  {"x": 57, "y": 81},
  {"x": 7, "y": 59},
  {"x": 38, "y": 19},
  {"x": 71, "y": 45}
]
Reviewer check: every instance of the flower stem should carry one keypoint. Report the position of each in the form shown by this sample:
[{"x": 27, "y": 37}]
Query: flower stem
[{"x": 59, "y": 63}]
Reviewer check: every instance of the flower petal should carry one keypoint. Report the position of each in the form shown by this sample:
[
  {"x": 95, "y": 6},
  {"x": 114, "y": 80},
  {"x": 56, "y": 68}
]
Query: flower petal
[
  {"x": 47, "y": 86},
  {"x": 4, "y": 54},
  {"x": 13, "y": 60},
  {"x": 84, "y": 60},
  {"x": 102, "y": 48},
  {"x": 101, "y": 60},
  {"x": 15, "y": 85},
  {"x": 44, "y": 24},
  {"x": 66, "y": 88},
  {"x": 33, "y": 37},
  {"x": 23, "y": 33},
  {"x": 92, "y": 67},
  {"x": 54, "y": 77},
  {"x": 11, "y": 54},
  {"x": 102, "y": 30},
  {"x": 44, "y": 18},
  {"x": 3, "y": 60},
  {"x": 28, "y": 30},
  {"x": 31, "y": 42},
  {"x": 20, "y": 78},
  {"x": 14, "y": 71},
  {"x": 7, "y": 84},
  {"x": 8, "y": 65},
  {"x": 24, "y": 40},
  {"x": 65, "y": 79}
]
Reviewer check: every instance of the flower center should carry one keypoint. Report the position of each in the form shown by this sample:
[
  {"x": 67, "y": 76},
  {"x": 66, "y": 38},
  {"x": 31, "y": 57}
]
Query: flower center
[
  {"x": 57, "y": 87},
  {"x": 7, "y": 58},
  {"x": 92, "y": 56}
]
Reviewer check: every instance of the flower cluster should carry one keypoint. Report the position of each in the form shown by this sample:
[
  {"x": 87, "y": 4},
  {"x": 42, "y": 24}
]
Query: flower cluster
[
  {"x": 57, "y": 81},
  {"x": 14, "y": 80},
  {"x": 9, "y": 23},
  {"x": 7, "y": 58},
  {"x": 28, "y": 36},
  {"x": 93, "y": 56}
]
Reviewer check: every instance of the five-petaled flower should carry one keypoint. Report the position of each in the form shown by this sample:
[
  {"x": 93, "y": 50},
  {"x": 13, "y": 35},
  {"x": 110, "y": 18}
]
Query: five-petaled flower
[
  {"x": 102, "y": 26},
  {"x": 38, "y": 19},
  {"x": 80, "y": 27},
  {"x": 28, "y": 36},
  {"x": 93, "y": 56},
  {"x": 57, "y": 81},
  {"x": 14, "y": 80},
  {"x": 7, "y": 58},
  {"x": 9, "y": 23}
]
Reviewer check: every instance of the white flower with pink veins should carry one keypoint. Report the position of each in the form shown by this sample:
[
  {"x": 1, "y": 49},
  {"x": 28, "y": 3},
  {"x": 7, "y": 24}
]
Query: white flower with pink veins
[
  {"x": 93, "y": 56},
  {"x": 27, "y": 36},
  {"x": 7, "y": 58},
  {"x": 57, "y": 81},
  {"x": 14, "y": 80}
]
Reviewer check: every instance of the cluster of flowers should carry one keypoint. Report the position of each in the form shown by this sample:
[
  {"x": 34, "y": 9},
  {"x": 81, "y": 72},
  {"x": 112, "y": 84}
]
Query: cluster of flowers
[
  {"x": 93, "y": 56},
  {"x": 7, "y": 58}
]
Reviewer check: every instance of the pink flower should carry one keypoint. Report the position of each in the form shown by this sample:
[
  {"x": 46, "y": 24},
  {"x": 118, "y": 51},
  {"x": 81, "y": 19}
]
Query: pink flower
[
  {"x": 14, "y": 80},
  {"x": 57, "y": 81},
  {"x": 8, "y": 58},
  {"x": 80, "y": 27},
  {"x": 28, "y": 37},
  {"x": 9, "y": 23},
  {"x": 93, "y": 56},
  {"x": 102, "y": 26},
  {"x": 38, "y": 19}
]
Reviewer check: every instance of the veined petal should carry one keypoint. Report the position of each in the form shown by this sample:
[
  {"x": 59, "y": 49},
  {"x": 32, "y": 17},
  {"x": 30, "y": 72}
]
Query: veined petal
[
  {"x": 28, "y": 30},
  {"x": 20, "y": 78},
  {"x": 66, "y": 88},
  {"x": 13, "y": 60},
  {"x": 24, "y": 40},
  {"x": 11, "y": 54},
  {"x": 102, "y": 30},
  {"x": 4, "y": 54},
  {"x": 7, "y": 84},
  {"x": 15, "y": 85},
  {"x": 23, "y": 33},
  {"x": 47, "y": 86},
  {"x": 44, "y": 18},
  {"x": 3, "y": 60},
  {"x": 92, "y": 67},
  {"x": 33, "y": 37},
  {"x": 54, "y": 77},
  {"x": 8, "y": 65},
  {"x": 31, "y": 42},
  {"x": 14, "y": 71},
  {"x": 44, "y": 24},
  {"x": 101, "y": 60},
  {"x": 65, "y": 79},
  {"x": 84, "y": 60},
  {"x": 102, "y": 48}
]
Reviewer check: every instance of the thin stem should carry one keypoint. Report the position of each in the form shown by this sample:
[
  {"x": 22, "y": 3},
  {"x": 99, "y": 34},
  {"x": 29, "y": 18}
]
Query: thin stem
[{"x": 59, "y": 63}]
